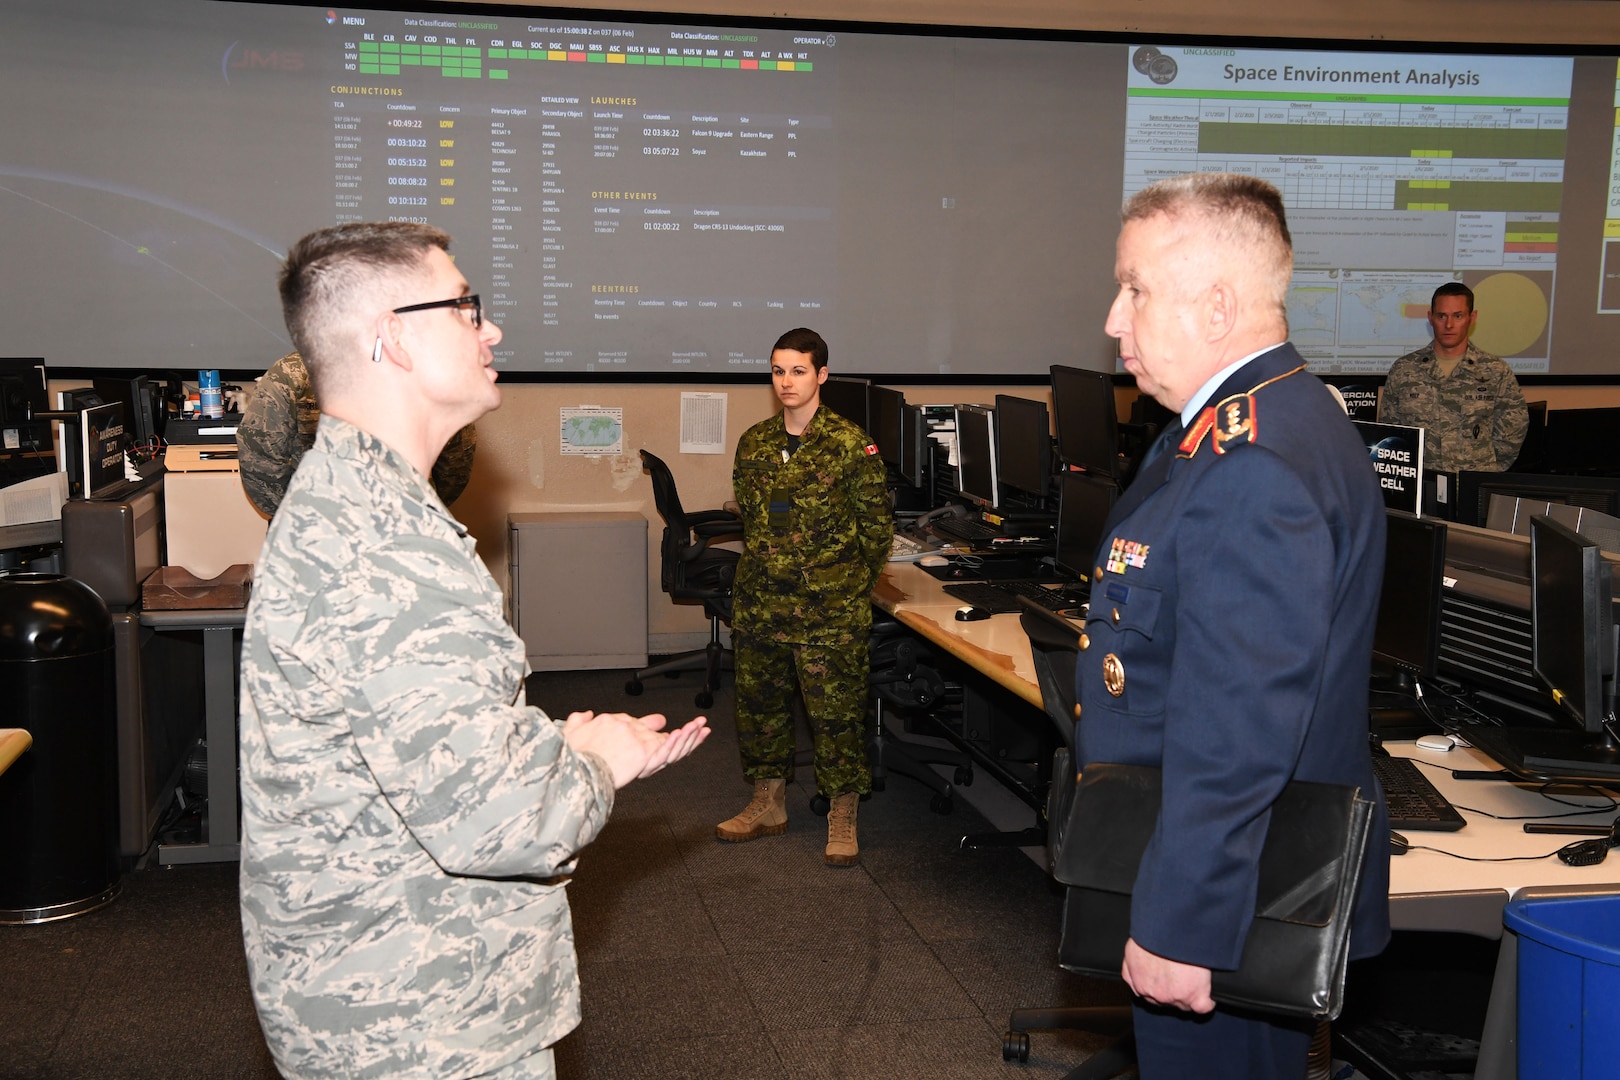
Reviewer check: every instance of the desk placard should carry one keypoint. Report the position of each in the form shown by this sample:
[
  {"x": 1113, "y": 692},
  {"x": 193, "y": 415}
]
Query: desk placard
[{"x": 1397, "y": 457}]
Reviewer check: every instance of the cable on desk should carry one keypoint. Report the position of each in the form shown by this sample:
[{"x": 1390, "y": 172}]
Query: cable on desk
[
  {"x": 1582, "y": 810},
  {"x": 1478, "y": 858}
]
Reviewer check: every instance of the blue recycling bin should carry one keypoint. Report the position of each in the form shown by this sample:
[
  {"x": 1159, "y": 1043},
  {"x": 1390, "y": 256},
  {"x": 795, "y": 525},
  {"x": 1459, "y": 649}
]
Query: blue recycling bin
[{"x": 1569, "y": 986}]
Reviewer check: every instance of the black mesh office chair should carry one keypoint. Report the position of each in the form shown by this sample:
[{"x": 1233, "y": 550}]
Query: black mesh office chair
[
  {"x": 903, "y": 675},
  {"x": 693, "y": 570},
  {"x": 1055, "y": 643}
]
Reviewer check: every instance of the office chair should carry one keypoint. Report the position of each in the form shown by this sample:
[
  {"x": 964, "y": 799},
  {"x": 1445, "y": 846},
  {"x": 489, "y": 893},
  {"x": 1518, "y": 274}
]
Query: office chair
[
  {"x": 902, "y": 675},
  {"x": 1055, "y": 644},
  {"x": 693, "y": 570}
]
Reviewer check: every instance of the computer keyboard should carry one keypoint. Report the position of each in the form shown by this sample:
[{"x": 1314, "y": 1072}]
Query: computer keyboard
[
  {"x": 1414, "y": 804},
  {"x": 961, "y": 528},
  {"x": 909, "y": 549},
  {"x": 999, "y": 596}
]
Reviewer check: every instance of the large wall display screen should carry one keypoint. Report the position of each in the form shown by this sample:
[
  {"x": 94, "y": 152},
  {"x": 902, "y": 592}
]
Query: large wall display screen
[{"x": 662, "y": 199}]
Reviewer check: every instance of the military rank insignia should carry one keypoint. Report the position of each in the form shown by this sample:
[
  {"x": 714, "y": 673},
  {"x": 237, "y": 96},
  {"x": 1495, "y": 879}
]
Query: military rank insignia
[
  {"x": 1232, "y": 420},
  {"x": 1125, "y": 554}
]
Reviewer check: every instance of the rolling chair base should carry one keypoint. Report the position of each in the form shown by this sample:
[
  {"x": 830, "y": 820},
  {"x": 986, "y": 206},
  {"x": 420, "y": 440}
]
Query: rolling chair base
[
  {"x": 712, "y": 659},
  {"x": 1115, "y": 1059}
]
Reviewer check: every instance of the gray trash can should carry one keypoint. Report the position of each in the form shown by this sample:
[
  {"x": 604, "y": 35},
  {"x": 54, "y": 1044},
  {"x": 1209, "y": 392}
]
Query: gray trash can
[{"x": 59, "y": 800}]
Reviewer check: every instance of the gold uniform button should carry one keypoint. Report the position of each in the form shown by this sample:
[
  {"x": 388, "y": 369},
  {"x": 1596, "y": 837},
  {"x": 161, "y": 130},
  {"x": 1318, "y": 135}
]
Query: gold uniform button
[
  {"x": 1113, "y": 675},
  {"x": 1077, "y": 710},
  {"x": 1099, "y": 574},
  {"x": 1085, "y": 642},
  {"x": 1116, "y": 616}
]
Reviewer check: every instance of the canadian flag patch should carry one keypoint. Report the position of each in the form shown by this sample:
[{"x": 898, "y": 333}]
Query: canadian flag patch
[{"x": 871, "y": 449}]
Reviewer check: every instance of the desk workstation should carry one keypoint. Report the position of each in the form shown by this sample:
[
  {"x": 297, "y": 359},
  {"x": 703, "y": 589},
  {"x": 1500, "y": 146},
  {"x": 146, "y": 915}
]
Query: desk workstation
[{"x": 1457, "y": 882}]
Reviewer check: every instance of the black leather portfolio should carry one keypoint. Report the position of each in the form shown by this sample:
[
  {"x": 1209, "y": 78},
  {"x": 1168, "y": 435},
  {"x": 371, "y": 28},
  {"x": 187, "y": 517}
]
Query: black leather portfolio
[{"x": 1295, "y": 955}]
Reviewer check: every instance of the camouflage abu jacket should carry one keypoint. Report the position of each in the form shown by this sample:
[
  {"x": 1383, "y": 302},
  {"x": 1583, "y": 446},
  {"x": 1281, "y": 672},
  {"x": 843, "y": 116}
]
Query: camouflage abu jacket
[
  {"x": 1474, "y": 419},
  {"x": 816, "y": 531},
  {"x": 402, "y": 810},
  {"x": 278, "y": 428}
]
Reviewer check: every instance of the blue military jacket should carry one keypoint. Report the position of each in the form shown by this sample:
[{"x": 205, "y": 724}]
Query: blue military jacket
[{"x": 1228, "y": 641}]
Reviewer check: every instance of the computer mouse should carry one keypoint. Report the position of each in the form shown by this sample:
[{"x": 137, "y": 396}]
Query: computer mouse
[
  {"x": 1436, "y": 742},
  {"x": 1397, "y": 843},
  {"x": 972, "y": 614},
  {"x": 933, "y": 560}
]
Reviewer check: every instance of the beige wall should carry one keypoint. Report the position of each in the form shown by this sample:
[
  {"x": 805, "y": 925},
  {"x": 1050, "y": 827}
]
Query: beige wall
[{"x": 519, "y": 469}]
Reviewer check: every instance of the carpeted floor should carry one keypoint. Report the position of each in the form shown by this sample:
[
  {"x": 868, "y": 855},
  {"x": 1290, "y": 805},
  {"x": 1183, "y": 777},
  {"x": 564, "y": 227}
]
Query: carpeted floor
[{"x": 698, "y": 959}]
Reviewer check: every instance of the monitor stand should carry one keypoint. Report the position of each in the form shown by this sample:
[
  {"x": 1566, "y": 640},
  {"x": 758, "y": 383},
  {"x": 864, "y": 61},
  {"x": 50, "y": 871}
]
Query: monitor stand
[{"x": 1546, "y": 754}]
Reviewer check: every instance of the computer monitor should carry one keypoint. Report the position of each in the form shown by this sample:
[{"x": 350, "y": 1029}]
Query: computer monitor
[
  {"x": 1406, "y": 639},
  {"x": 1582, "y": 441},
  {"x": 1572, "y": 640},
  {"x": 143, "y": 408},
  {"x": 1084, "y": 502},
  {"x": 1572, "y": 655},
  {"x": 22, "y": 389},
  {"x": 1023, "y": 445},
  {"x": 849, "y": 398},
  {"x": 915, "y": 447},
  {"x": 1474, "y": 491},
  {"x": 1087, "y": 426},
  {"x": 976, "y": 455},
  {"x": 885, "y": 405}
]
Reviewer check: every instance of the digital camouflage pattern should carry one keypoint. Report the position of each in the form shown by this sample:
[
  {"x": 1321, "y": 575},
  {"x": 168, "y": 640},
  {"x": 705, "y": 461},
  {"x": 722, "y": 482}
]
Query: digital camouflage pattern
[
  {"x": 404, "y": 815},
  {"x": 278, "y": 427},
  {"x": 1475, "y": 418},
  {"x": 806, "y": 577},
  {"x": 816, "y": 533},
  {"x": 834, "y": 680}
]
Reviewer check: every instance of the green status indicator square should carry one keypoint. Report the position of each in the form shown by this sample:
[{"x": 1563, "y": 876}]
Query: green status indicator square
[{"x": 497, "y": 73}]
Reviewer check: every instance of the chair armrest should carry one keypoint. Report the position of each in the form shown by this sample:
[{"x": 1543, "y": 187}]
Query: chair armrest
[{"x": 714, "y": 523}]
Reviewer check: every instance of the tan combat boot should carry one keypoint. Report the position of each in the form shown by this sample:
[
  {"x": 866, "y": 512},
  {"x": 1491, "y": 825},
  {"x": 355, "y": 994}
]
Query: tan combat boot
[
  {"x": 765, "y": 814},
  {"x": 842, "y": 850}
]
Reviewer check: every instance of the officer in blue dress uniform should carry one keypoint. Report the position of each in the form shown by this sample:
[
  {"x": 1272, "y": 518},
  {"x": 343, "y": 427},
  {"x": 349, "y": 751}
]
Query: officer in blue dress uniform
[{"x": 1231, "y": 620}]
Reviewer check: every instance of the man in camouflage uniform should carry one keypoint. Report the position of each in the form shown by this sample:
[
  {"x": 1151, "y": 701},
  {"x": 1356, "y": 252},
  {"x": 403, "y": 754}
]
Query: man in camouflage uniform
[
  {"x": 817, "y": 527},
  {"x": 406, "y": 819},
  {"x": 1466, "y": 400},
  {"x": 278, "y": 428}
]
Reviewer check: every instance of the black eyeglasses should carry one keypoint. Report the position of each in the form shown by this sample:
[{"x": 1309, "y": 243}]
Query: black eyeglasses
[{"x": 460, "y": 303}]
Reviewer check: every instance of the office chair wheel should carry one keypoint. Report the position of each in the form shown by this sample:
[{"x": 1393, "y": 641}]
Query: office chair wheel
[
  {"x": 1015, "y": 1046},
  {"x": 633, "y": 688},
  {"x": 820, "y": 804},
  {"x": 941, "y": 804},
  {"x": 704, "y": 700},
  {"x": 963, "y": 777}
]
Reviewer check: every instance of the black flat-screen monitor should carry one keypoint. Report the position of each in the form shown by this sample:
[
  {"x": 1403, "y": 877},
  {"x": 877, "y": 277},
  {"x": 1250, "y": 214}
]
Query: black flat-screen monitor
[
  {"x": 915, "y": 447},
  {"x": 1572, "y": 622},
  {"x": 885, "y": 405},
  {"x": 849, "y": 398},
  {"x": 1087, "y": 424},
  {"x": 1407, "y": 636},
  {"x": 976, "y": 455},
  {"x": 1474, "y": 491},
  {"x": 1083, "y": 505},
  {"x": 143, "y": 406},
  {"x": 1572, "y": 654},
  {"x": 1582, "y": 441},
  {"x": 22, "y": 389},
  {"x": 1023, "y": 445}
]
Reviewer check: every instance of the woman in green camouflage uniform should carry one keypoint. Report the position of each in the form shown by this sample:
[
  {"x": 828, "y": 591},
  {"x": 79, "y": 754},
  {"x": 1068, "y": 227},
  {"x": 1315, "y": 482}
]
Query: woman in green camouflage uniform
[{"x": 817, "y": 528}]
